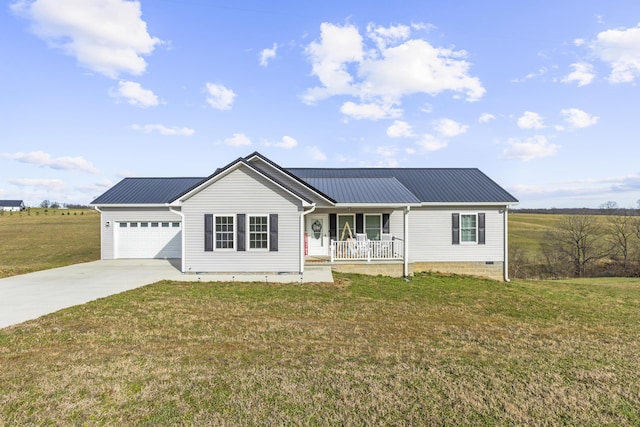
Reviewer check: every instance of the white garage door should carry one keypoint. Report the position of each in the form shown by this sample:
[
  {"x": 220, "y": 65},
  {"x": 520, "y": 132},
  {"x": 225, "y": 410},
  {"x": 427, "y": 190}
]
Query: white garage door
[{"x": 148, "y": 239}]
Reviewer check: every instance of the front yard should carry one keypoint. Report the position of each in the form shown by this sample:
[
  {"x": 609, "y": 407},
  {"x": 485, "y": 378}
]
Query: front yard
[{"x": 367, "y": 350}]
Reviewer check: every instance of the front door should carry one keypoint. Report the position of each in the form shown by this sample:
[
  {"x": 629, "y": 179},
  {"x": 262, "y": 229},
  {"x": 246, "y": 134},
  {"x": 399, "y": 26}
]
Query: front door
[{"x": 318, "y": 235}]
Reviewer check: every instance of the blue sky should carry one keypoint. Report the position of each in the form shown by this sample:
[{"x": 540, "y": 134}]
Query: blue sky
[{"x": 540, "y": 95}]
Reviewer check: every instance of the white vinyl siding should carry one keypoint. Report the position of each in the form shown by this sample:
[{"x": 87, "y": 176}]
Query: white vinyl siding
[
  {"x": 242, "y": 191},
  {"x": 430, "y": 236}
]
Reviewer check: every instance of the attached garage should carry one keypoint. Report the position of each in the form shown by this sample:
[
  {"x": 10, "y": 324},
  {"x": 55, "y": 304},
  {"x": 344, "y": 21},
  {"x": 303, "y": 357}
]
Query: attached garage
[{"x": 148, "y": 239}]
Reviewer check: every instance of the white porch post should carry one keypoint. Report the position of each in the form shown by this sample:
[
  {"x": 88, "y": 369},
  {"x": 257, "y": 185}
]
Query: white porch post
[
  {"x": 303, "y": 215},
  {"x": 406, "y": 241}
]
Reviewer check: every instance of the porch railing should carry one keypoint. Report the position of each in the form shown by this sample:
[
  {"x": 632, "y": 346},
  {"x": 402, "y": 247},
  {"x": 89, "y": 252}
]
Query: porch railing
[{"x": 352, "y": 250}]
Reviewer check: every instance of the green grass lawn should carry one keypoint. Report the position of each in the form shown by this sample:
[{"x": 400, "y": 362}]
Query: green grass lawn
[
  {"x": 365, "y": 351},
  {"x": 42, "y": 240}
]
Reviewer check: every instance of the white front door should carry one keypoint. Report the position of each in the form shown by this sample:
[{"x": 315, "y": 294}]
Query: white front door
[{"x": 318, "y": 235}]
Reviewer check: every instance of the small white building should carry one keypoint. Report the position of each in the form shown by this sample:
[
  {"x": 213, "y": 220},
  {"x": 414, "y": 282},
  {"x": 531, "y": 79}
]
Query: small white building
[{"x": 11, "y": 205}]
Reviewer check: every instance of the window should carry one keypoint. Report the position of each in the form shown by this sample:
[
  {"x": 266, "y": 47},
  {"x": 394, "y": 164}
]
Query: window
[
  {"x": 154, "y": 224},
  {"x": 258, "y": 232},
  {"x": 144, "y": 224},
  {"x": 468, "y": 228},
  {"x": 224, "y": 232},
  {"x": 133, "y": 224},
  {"x": 175, "y": 224},
  {"x": 372, "y": 226},
  {"x": 123, "y": 225},
  {"x": 165, "y": 224}
]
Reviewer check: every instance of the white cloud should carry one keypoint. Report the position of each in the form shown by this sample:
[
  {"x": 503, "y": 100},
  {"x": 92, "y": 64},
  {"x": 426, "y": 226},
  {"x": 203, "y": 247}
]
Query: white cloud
[
  {"x": 382, "y": 36},
  {"x": 135, "y": 94},
  {"x": 388, "y": 157},
  {"x": 582, "y": 74},
  {"x": 382, "y": 73},
  {"x": 219, "y": 97},
  {"x": 486, "y": 118},
  {"x": 530, "y": 120},
  {"x": 317, "y": 154},
  {"x": 541, "y": 72},
  {"x": 48, "y": 184},
  {"x": 578, "y": 118},
  {"x": 268, "y": 54},
  {"x": 163, "y": 130},
  {"x": 429, "y": 142},
  {"x": 40, "y": 158},
  {"x": 528, "y": 149},
  {"x": 329, "y": 58},
  {"x": 620, "y": 48},
  {"x": 106, "y": 36},
  {"x": 369, "y": 111},
  {"x": 286, "y": 143},
  {"x": 450, "y": 128},
  {"x": 238, "y": 140},
  {"x": 400, "y": 129}
]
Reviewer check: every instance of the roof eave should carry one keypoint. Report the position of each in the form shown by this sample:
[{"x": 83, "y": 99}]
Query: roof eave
[
  {"x": 129, "y": 205},
  {"x": 377, "y": 205},
  {"x": 435, "y": 204}
]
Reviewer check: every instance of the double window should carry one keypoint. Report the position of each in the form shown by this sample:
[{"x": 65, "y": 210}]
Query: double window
[{"x": 241, "y": 232}]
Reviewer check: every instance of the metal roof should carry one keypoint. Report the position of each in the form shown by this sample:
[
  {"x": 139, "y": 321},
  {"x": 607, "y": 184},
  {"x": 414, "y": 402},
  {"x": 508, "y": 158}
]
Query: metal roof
[
  {"x": 364, "y": 190},
  {"x": 349, "y": 185},
  {"x": 428, "y": 185},
  {"x": 146, "y": 191}
]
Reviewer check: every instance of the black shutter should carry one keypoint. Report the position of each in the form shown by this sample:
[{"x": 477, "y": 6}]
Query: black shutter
[
  {"x": 359, "y": 223},
  {"x": 333, "y": 226},
  {"x": 455, "y": 228},
  {"x": 208, "y": 232},
  {"x": 481, "y": 228},
  {"x": 273, "y": 232},
  {"x": 385, "y": 223},
  {"x": 240, "y": 236}
]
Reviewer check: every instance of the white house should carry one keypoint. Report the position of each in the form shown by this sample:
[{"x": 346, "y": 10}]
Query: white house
[
  {"x": 12, "y": 205},
  {"x": 253, "y": 215}
]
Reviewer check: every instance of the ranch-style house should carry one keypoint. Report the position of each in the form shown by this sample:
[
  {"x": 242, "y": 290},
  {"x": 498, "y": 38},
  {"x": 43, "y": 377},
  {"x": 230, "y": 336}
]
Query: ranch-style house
[{"x": 253, "y": 215}]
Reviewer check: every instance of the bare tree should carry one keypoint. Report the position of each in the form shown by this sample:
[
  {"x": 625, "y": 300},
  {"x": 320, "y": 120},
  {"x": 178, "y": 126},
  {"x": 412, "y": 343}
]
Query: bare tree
[
  {"x": 623, "y": 229},
  {"x": 580, "y": 240}
]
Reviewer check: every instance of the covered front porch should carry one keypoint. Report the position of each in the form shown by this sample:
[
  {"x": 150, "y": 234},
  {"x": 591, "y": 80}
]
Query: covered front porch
[{"x": 369, "y": 236}]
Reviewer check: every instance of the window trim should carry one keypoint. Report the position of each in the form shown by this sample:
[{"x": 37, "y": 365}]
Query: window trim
[
  {"x": 475, "y": 228},
  {"x": 233, "y": 233},
  {"x": 266, "y": 232}
]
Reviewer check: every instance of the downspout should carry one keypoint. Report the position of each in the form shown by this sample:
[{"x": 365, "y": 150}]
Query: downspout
[
  {"x": 406, "y": 241},
  {"x": 506, "y": 244},
  {"x": 304, "y": 213},
  {"x": 182, "y": 238}
]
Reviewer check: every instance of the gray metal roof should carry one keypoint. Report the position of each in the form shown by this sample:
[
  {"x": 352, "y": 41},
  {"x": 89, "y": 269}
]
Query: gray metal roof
[
  {"x": 146, "y": 191},
  {"x": 428, "y": 185},
  {"x": 364, "y": 190},
  {"x": 357, "y": 185}
]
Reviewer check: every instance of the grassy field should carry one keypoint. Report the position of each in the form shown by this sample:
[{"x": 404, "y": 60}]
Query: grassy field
[
  {"x": 365, "y": 351},
  {"x": 368, "y": 350},
  {"x": 42, "y": 240}
]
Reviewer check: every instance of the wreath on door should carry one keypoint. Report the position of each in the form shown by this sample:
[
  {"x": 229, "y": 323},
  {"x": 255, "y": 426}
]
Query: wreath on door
[{"x": 316, "y": 227}]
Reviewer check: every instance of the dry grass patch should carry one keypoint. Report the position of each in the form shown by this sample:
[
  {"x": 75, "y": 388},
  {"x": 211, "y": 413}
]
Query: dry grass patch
[
  {"x": 437, "y": 350},
  {"x": 41, "y": 240}
]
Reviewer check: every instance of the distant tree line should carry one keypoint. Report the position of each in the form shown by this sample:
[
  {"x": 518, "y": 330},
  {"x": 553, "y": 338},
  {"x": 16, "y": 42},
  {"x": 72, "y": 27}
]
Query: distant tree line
[
  {"x": 585, "y": 243},
  {"x": 47, "y": 204}
]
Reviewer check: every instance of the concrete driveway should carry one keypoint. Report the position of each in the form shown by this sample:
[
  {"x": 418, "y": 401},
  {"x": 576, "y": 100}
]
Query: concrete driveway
[{"x": 32, "y": 295}]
